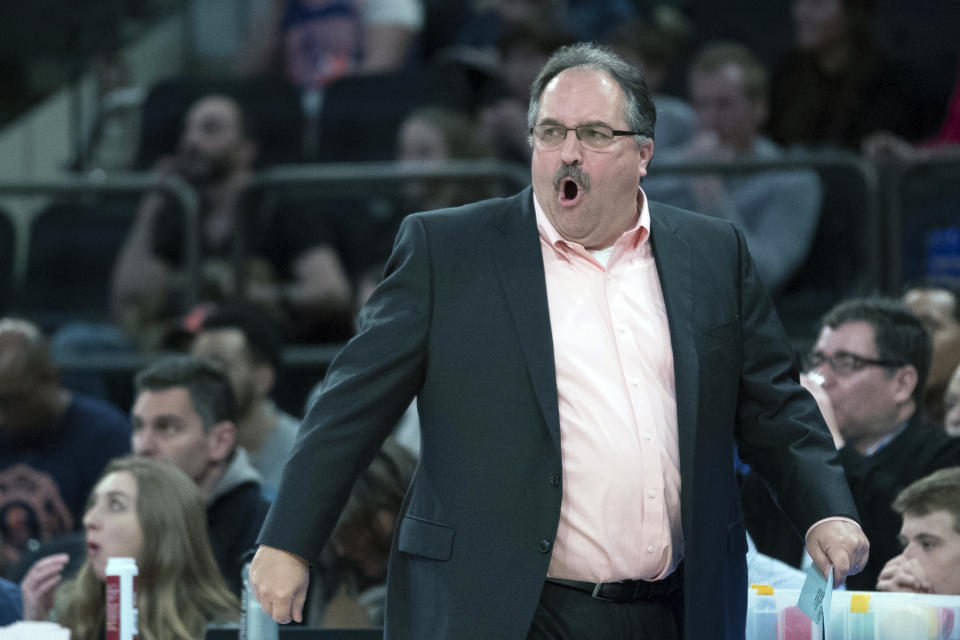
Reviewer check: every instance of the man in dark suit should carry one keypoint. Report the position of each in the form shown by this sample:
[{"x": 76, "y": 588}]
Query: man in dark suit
[{"x": 583, "y": 362}]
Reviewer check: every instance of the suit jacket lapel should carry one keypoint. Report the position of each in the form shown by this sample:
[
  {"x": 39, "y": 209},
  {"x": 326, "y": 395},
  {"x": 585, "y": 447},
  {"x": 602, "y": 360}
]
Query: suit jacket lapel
[
  {"x": 515, "y": 245},
  {"x": 675, "y": 268}
]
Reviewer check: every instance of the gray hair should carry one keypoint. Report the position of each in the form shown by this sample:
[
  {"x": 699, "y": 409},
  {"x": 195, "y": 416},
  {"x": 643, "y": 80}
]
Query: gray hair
[{"x": 639, "y": 112}]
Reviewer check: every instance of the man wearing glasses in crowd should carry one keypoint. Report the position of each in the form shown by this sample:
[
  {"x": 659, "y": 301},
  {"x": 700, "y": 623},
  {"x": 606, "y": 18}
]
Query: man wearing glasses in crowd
[{"x": 867, "y": 370}]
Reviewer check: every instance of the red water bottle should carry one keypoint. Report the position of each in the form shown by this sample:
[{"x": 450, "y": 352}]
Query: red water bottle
[{"x": 121, "y": 606}]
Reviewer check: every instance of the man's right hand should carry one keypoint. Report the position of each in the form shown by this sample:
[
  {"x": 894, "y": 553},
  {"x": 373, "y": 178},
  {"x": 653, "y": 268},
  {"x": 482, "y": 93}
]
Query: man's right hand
[{"x": 279, "y": 579}]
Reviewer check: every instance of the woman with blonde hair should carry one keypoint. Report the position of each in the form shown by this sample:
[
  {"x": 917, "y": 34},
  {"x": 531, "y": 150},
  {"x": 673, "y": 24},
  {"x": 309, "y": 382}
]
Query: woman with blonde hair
[{"x": 152, "y": 512}]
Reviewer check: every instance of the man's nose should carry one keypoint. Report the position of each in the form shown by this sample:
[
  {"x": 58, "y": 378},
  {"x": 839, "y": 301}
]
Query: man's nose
[
  {"x": 909, "y": 551},
  {"x": 142, "y": 443},
  {"x": 571, "y": 151}
]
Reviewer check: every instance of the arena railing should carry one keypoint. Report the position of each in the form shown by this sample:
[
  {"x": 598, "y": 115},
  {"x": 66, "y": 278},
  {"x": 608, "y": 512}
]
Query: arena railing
[
  {"x": 177, "y": 188},
  {"x": 846, "y": 255},
  {"x": 922, "y": 206},
  {"x": 362, "y": 178}
]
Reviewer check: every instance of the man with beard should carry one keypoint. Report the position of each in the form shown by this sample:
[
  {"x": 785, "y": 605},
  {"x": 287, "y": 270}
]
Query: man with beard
[
  {"x": 584, "y": 361},
  {"x": 292, "y": 270},
  {"x": 248, "y": 346}
]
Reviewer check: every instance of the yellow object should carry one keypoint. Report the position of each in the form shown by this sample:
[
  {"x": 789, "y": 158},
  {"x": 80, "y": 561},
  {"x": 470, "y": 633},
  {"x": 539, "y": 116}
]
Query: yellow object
[
  {"x": 762, "y": 589},
  {"x": 859, "y": 603}
]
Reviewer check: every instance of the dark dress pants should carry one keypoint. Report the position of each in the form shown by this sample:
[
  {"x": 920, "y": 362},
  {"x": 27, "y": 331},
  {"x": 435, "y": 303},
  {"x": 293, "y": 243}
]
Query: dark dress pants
[{"x": 564, "y": 613}]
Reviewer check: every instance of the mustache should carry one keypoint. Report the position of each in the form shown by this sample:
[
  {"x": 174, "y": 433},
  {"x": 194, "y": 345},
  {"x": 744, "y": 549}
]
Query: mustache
[{"x": 575, "y": 173}]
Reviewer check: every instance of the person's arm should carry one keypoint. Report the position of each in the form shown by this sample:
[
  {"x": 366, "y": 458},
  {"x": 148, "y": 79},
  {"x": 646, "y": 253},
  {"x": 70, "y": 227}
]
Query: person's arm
[
  {"x": 783, "y": 437},
  {"x": 778, "y": 213},
  {"x": 320, "y": 289},
  {"x": 139, "y": 279},
  {"x": 368, "y": 386}
]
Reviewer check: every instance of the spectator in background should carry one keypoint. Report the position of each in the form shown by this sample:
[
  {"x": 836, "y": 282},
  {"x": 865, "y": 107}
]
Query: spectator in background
[
  {"x": 432, "y": 134},
  {"x": 522, "y": 49},
  {"x": 353, "y": 566},
  {"x": 930, "y": 562},
  {"x": 778, "y": 211},
  {"x": 153, "y": 513},
  {"x": 291, "y": 271},
  {"x": 53, "y": 443},
  {"x": 937, "y": 305},
  {"x": 436, "y": 134},
  {"x": 655, "y": 49},
  {"x": 867, "y": 372},
  {"x": 249, "y": 348},
  {"x": 837, "y": 85},
  {"x": 318, "y": 41},
  {"x": 183, "y": 414},
  {"x": 885, "y": 145}
]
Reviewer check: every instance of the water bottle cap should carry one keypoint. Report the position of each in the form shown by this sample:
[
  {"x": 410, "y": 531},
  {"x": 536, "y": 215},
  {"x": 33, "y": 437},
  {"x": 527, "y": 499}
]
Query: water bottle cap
[{"x": 121, "y": 564}]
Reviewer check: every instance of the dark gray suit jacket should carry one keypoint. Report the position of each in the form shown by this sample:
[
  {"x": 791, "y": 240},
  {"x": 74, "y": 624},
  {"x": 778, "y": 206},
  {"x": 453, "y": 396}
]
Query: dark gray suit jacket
[{"x": 461, "y": 321}]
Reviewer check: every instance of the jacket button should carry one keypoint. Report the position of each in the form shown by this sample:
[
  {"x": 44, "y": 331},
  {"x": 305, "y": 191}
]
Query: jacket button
[
  {"x": 555, "y": 480},
  {"x": 545, "y": 546}
]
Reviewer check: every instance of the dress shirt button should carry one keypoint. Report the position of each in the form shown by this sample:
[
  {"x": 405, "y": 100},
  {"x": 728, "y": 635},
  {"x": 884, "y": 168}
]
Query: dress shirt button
[
  {"x": 545, "y": 546},
  {"x": 635, "y": 382},
  {"x": 648, "y": 436},
  {"x": 650, "y": 549},
  {"x": 621, "y": 329},
  {"x": 555, "y": 480},
  {"x": 652, "y": 493}
]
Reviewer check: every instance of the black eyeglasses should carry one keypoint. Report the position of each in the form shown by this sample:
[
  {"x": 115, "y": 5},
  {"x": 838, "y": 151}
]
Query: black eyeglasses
[
  {"x": 592, "y": 136},
  {"x": 844, "y": 363}
]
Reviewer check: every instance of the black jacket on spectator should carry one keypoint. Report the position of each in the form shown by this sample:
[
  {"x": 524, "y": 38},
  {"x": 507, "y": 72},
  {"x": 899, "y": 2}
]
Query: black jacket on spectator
[{"x": 875, "y": 481}]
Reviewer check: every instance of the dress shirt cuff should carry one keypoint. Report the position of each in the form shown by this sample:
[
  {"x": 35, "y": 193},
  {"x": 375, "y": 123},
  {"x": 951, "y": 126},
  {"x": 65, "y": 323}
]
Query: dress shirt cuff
[{"x": 830, "y": 519}]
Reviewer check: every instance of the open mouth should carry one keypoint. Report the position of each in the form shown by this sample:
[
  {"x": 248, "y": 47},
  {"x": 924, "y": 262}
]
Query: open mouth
[
  {"x": 92, "y": 548},
  {"x": 570, "y": 192}
]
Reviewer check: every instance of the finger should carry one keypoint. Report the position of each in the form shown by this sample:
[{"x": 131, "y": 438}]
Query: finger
[
  {"x": 47, "y": 585},
  {"x": 298, "y": 601},
  {"x": 282, "y": 611},
  {"x": 43, "y": 568}
]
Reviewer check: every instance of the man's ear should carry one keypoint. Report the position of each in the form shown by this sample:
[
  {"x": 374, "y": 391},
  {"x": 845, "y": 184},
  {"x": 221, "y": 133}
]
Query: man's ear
[
  {"x": 221, "y": 440},
  {"x": 644, "y": 157},
  {"x": 907, "y": 379}
]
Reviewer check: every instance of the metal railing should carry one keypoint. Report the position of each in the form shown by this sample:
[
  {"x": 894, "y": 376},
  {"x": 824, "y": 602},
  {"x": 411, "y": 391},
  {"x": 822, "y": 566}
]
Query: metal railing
[
  {"x": 361, "y": 179},
  {"x": 183, "y": 193},
  {"x": 819, "y": 161},
  {"x": 895, "y": 198}
]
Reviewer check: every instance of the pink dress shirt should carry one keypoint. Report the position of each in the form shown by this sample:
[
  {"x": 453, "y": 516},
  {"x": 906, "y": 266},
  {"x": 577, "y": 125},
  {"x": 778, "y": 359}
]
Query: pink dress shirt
[{"x": 620, "y": 512}]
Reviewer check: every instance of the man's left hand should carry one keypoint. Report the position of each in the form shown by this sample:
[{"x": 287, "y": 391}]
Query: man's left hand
[{"x": 840, "y": 544}]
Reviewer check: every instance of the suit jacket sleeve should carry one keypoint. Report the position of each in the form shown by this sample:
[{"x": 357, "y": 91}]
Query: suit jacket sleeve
[
  {"x": 367, "y": 387},
  {"x": 781, "y": 433}
]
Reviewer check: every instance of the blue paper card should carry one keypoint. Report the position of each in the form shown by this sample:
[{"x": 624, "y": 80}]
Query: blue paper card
[{"x": 815, "y": 598}]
